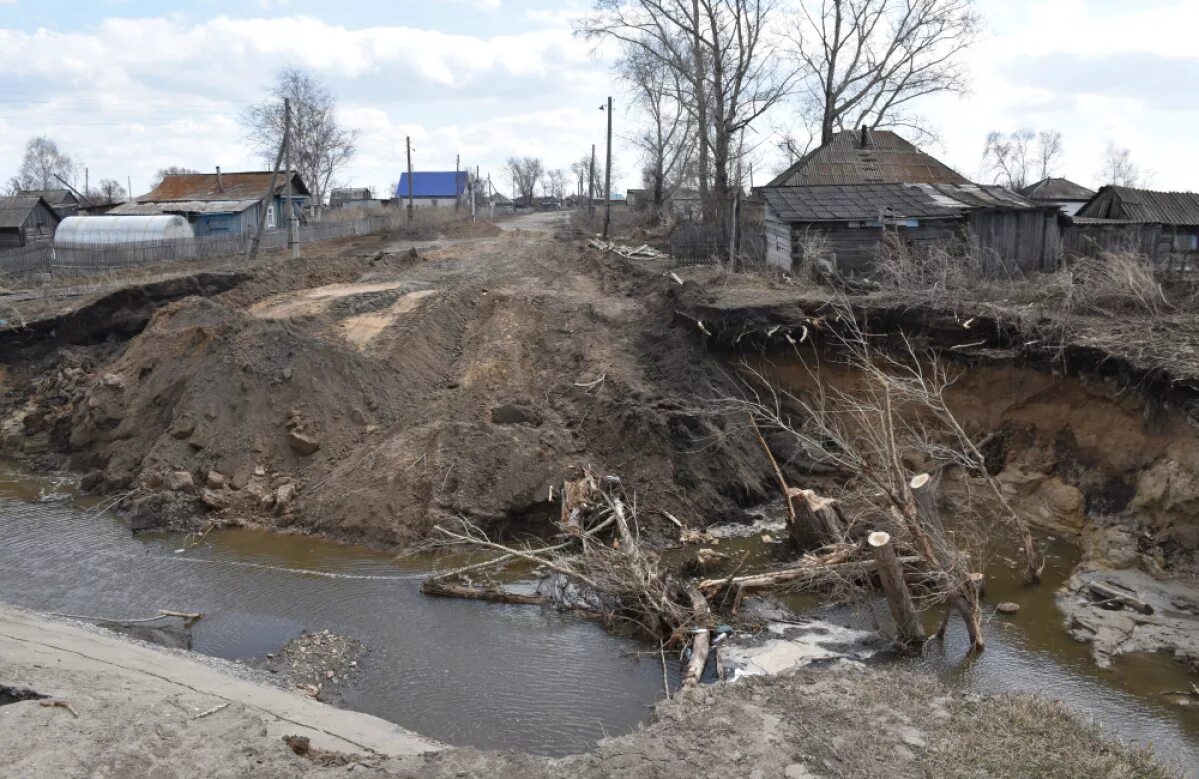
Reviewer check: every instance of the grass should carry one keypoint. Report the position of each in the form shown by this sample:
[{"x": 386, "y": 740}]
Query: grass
[{"x": 1030, "y": 736}]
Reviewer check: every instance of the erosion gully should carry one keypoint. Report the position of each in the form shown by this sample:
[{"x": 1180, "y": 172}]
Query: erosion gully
[{"x": 491, "y": 675}]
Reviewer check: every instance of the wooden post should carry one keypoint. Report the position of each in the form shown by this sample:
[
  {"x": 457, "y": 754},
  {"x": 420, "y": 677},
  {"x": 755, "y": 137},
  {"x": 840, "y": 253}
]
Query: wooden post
[
  {"x": 909, "y": 633},
  {"x": 264, "y": 204},
  {"x": 411, "y": 206},
  {"x": 608, "y": 176},
  {"x": 293, "y": 243},
  {"x": 591, "y": 184}
]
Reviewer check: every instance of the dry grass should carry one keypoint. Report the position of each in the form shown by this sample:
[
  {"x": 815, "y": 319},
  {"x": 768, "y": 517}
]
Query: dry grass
[{"x": 1030, "y": 736}]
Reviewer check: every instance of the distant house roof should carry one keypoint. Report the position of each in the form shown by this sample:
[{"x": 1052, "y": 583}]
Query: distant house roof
[
  {"x": 184, "y": 207},
  {"x": 15, "y": 210},
  {"x": 867, "y": 157},
  {"x": 429, "y": 183},
  {"x": 53, "y": 197},
  {"x": 1057, "y": 189},
  {"x": 853, "y": 202},
  {"x": 338, "y": 194},
  {"x": 233, "y": 186},
  {"x": 1143, "y": 205}
]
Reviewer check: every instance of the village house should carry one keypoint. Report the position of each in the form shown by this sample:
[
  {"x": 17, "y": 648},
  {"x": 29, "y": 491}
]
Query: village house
[
  {"x": 63, "y": 201},
  {"x": 220, "y": 203},
  {"x": 350, "y": 197},
  {"x": 866, "y": 187},
  {"x": 26, "y": 220},
  {"x": 1164, "y": 226},
  {"x": 435, "y": 189},
  {"x": 1063, "y": 193}
]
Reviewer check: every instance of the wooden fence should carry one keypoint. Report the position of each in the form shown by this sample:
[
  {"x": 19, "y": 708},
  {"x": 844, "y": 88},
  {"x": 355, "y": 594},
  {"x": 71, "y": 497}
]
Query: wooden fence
[{"x": 85, "y": 259}]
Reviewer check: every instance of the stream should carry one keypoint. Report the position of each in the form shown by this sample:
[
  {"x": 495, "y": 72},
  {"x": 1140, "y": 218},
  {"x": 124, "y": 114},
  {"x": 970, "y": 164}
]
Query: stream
[{"x": 489, "y": 675}]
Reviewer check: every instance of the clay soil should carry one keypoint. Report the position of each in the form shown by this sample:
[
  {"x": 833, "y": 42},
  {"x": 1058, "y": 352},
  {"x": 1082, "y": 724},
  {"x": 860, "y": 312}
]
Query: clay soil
[{"x": 373, "y": 390}]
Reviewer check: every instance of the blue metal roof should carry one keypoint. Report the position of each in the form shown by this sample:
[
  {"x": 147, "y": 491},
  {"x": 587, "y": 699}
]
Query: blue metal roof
[{"x": 433, "y": 184}]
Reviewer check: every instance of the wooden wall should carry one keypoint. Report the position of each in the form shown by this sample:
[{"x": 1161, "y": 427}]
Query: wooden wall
[{"x": 1022, "y": 241}]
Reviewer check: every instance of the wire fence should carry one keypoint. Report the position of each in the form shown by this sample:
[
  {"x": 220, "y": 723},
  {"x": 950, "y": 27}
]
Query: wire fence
[{"x": 84, "y": 259}]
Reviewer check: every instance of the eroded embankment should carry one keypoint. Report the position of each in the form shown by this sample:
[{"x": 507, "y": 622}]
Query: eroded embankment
[{"x": 394, "y": 394}]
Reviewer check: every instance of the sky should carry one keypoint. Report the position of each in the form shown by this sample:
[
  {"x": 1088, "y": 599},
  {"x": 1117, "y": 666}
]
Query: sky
[{"x": 127, "y": 87}]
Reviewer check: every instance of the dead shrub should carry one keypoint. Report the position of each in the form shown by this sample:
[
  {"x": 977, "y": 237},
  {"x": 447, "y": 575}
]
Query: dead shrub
[{"x": 1118, "y": 281}]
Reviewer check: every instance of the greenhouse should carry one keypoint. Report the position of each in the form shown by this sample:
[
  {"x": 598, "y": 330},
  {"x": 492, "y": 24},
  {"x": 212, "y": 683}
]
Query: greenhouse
[{"x": 110, "y": 230}]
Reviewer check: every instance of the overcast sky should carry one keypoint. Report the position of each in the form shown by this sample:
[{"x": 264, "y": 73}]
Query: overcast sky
[{"x": 131, "y": 86}]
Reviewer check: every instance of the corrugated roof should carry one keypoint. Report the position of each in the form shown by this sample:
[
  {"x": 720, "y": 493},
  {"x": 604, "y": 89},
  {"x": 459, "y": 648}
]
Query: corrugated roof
[
  {"x": 1144, "y": 206},
  {"x": 433, "y": 183},
  {"x": 15, "y": 210},
  {"x": 852, "y": 202},
  {"x": 234, "y": 186},
  {"x": 884, "y": 159},
  {"x": 185, "y": 207},
  {"x": 53, "y": 197},
  {"x": 1057, "y": 189}
]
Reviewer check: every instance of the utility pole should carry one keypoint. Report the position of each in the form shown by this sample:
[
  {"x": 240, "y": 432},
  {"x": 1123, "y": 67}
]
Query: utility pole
[
  {"x": 591, "y": 184},
  {"x": 293, "y": 243},
  {"x": 408, "y": 143},
  {"x": 457, "y": 168},
  {"x": 608, "y": 175},
  {"x": 129, "y": 192},
  {"x": 86, "y": 181},
  {"x": 490, "y": 197},
  {"x": 265, "y": 203}
]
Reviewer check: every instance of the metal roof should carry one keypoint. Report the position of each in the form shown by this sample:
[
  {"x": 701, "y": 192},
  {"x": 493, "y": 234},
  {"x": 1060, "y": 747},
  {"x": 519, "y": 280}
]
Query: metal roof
[
  {"x": 1144, "y": 206},
  {"x": 53, "y": 197},
  {"x": 429, "y": 183},
  {"x": 1057, "y": 189},
  {"x": 884, "y": 158},
  {"x": 185, "y": 207},
  {"x": 15, "y": 210},
  {"x": 233, "y": 186},
  {"x": 853, "y": 202}
]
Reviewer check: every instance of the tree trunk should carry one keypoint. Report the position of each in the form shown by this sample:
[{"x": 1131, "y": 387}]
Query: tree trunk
[
  {"x": 909, "y": 632},
  {"x": 701, "y": 108},
  {"x": 440, "y": 589},
  {"x": 816, "y": 521},
  {"x": 701, "y": 642}
]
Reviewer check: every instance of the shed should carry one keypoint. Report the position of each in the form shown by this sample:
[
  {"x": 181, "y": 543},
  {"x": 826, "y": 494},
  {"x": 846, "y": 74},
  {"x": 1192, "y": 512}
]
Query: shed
[
  {"x": 220, "y": 203},
  {"x": 25, "y": 220},
  {"x": 111, "y": 230},
  {"x": 435, "y": 188},
  {"x": 63, "y": 201},
  {"x": 1063, "y": 193},
  {"x": 851, "y": 220},
  {"x": 1164, "y": 226},
  {"x": 346, "y": 197}
]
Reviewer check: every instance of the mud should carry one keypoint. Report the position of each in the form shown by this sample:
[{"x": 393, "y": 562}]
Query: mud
[
  {"x": 373, "y": 394},
  {"x": 319, "y": 664}
]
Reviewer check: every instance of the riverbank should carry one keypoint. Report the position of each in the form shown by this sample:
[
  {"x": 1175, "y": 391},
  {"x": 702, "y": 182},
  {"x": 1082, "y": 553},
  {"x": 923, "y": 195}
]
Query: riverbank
[
  {"x": 138, "y": 710},
  {"x": 135, "y": 710}
]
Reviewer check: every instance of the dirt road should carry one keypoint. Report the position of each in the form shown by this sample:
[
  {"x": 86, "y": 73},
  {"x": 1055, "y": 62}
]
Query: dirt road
[{"x": 371, "y": 394}]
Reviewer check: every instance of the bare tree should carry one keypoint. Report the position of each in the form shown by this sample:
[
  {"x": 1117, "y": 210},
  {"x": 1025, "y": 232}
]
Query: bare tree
[
  {"x": 320, "y": 146},
  {"x": 525, "y": 173},
  {"x": 723, "y": 52},
  {"x": 1018, "y": 159},
  {"x": 667, "y": 138},
  {"x": 864, "y": 62},
  {"x": 170, "y": 170},
  {"x": 107, "y": 191},
  {"x": 555, "y": 183},
  {"x": 43, "y": 161},
  {"x": 1119, "y": 169}
]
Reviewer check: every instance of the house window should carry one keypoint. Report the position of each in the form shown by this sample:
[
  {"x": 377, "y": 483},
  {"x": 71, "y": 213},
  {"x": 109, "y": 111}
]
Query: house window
[
  {"x": 1186, "y": 242},
  {"x": 270, "y": 217}
]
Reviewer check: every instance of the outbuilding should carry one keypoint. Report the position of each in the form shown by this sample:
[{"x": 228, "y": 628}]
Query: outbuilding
[
  {"x": 1063, "y": 193},
  {"x": 1163, "y": 226},
  {"x": 26, "y": 220},
  {"x": 850, "y": 223}
]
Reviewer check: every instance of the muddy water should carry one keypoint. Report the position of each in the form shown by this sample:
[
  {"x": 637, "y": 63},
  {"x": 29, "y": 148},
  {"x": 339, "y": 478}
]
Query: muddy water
[{"x": 466, "y": 673}]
